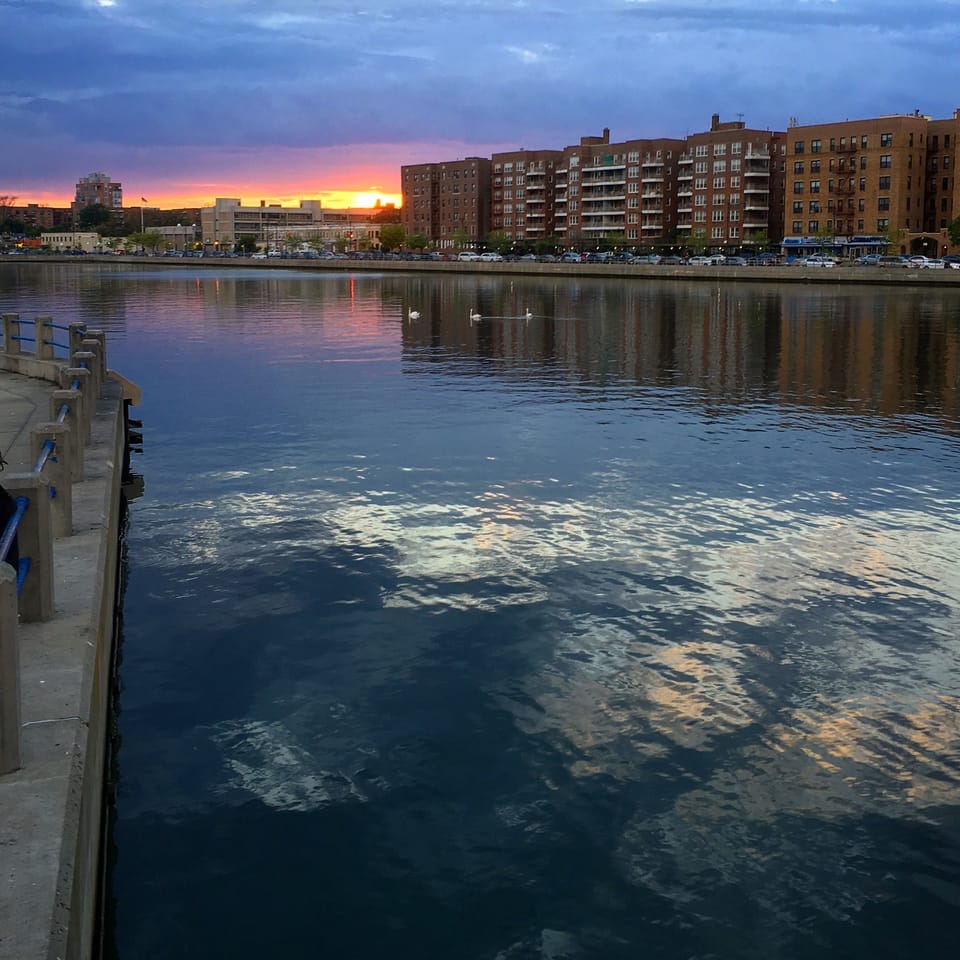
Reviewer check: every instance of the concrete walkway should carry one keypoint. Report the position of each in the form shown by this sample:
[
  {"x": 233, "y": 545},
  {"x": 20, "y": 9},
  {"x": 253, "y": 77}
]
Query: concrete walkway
[{"x": 51, "y": 808}]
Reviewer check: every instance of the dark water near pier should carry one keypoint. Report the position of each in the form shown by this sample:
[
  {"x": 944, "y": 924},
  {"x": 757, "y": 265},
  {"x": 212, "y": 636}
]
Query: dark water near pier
[{"x": 629, "y": 631}]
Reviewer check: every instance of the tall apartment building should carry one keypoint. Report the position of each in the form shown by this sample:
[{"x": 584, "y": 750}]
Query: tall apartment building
[
  {"x": 443, "y": 201},
  {"x": 730, "y": 186},
  {"x": 624, "y": 190},
  {"x": 98, "y": 188},
  {"x": 522, "y": 183},
  {"x": 852, "y": 185},
  {"x": 865, "y": 181}
]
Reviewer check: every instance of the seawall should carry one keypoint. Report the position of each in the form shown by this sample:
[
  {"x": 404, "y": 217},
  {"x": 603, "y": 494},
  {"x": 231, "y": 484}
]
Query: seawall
[{"x": 52, "y": 805}]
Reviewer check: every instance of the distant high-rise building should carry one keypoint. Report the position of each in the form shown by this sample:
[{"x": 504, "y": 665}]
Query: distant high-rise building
[{"x": 99, "y": 188}]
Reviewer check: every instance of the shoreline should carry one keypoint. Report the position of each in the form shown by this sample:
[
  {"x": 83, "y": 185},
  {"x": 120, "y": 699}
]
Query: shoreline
[{"x": 869, "y": 276}]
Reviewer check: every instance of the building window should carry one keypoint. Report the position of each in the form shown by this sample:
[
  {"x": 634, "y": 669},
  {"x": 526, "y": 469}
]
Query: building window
[
  {"x": 814, "y": 206},
  {"x": 700, "y": 200},
  {"x": 814, "y": 186},
  {"x": 798, "y": 147},
  {"x": 798, "y": 166},
  {"x": 718, "y": 183},
  {"x": 633, "y": 188},
  {"x": 798, "y": 186},
  {"x": 700, "y": 216},
  {"x": 861, "y": 205},
  {"x": 633, "y": 203},
  {"x": 883, "y": 203},
  {"x": 718, "y": 216},
  {"x": 886, "y": 161},
  {"x": 884, "y": 183},
  {"x": 734, "y": 216},
  {"x": 859, "y": 226},
  {"x": 700, "y": 166},
  {"x": 814, "y": 166},
  {"x": 633, "y": 171},
  {"x": 797, "y": 226},
  {"x": 813, "y": 226},
  {"x": 863, "y": 163},
  {"x": 717, "y": 233},
  {"x": 719, "y": 149},
  {"x": 734, "y": 199},
  {"x": 883, "y": 224},
  {"x": 734, "y": 233},
  {"x": 701, "y": 150},
  {"x": 719, "y": 166},
  {"x": 719, "y": 199},
  {"x": 736, "y": 148},
  {"x": 886, "y": 139},
  {"x": 814, "y": 146}
]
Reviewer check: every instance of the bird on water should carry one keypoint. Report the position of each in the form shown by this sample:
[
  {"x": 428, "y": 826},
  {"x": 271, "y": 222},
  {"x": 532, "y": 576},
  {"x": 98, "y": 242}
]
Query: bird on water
[{"x": 413, "y": 314}]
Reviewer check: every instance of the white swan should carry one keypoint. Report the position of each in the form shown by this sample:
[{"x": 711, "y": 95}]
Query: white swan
[
  {"x": 474, "y": 315},
  {"x": 413, "y": 314},
  {"x": 528, "y": 316}
]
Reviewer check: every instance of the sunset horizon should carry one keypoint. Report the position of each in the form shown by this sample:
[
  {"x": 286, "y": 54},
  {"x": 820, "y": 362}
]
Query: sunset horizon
[{"x": 249, "y": 195}]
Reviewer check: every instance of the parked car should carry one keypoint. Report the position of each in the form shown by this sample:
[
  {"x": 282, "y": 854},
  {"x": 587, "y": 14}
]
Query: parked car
[
  {"x": 891, "y": 261},
  {"x": 700, "y": 261},
  {"x": 672, "y": 260},
  {"x": 491, "y": 256},
  {"x": 735, "y": 262},
  {"x": 933, "y": 263},
  {"x": 868, "y": 260},
  {"x": 468, "y": 255},
  {"x": 570, "y": 256},
  {"x": 923, "y": 263},
  {"x": 815, "y": 260}
]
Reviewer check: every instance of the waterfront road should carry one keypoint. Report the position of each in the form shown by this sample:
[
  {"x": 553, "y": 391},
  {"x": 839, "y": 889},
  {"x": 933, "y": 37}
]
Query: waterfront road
[{"x": 51, "y": 808}]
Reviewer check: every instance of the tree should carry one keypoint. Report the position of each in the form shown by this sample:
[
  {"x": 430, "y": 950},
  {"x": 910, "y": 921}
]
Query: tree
[
  {"x": 953, "y": 230},
  {"x": 392, "y": 236},
  {"x": 698, "y": 240},
  {"x": 460, "y": 239},
  {"x": 417, "y": 241},
  {"x": 93, "y": 216},
  {"x": 499, "y": 241},
  {"x": 247, "y": 243}
]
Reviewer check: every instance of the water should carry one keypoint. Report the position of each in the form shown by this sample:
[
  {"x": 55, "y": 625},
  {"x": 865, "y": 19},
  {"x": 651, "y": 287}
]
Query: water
[{"x": 631, "y": 631}]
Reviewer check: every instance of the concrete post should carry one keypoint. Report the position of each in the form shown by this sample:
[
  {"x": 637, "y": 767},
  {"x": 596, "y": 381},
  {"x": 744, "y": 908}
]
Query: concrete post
[
  {"x": 101, "y": 338},
  {"x": 87, "y": 360},
  {"x": 77, "y": 333},
  {"x": 57, "y": 471},
  {"x": 11, "y": 329},
  {"x": 43, "y": 337},
  {"x": 35, "y": 538},
  {"x": 9, "y": 672},
  {"x": 88, "y": 402},
  {"x": 71, "y": 420},
  {"x": 94, "y": 346}
]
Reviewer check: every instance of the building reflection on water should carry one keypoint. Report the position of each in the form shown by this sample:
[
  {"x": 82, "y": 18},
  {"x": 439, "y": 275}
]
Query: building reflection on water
[{"x": 858, "y": 350}]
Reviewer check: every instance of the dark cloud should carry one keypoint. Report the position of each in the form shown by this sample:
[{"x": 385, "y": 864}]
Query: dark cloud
[{"x": 305, "y": 74}]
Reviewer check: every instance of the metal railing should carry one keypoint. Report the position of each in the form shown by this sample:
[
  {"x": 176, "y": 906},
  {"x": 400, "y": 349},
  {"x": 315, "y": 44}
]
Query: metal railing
[{"x": 39, "y": 502}]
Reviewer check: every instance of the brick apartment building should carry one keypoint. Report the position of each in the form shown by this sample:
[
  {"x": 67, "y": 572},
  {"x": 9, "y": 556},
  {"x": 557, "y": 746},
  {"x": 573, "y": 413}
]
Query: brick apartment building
[
  {"x": 446, "y": 201},
  {"x": 97, "y": 188},
  {"x": 887, "y": 177},
  {"x": 849, "y": 185}
]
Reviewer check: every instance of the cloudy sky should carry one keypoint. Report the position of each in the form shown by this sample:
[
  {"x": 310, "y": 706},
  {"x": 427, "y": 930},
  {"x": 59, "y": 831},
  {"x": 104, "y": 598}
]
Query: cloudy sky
[{"x": 186, "y": 100}]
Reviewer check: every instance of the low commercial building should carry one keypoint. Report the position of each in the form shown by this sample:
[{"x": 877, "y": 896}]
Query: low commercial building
[
  {"x": 273, "y": 225},
  {"x": 72, "y": 241}
]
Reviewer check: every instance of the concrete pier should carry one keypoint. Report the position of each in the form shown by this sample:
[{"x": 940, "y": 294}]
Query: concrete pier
[{"x": 51, "y": 803}]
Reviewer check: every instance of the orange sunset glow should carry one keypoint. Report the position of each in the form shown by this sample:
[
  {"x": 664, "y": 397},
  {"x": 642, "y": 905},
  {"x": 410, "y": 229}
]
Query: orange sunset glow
[{"x": 250, "y": 196}]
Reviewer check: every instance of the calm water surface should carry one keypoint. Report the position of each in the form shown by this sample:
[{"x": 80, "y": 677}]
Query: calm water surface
[{"x": 629, "y": 631}]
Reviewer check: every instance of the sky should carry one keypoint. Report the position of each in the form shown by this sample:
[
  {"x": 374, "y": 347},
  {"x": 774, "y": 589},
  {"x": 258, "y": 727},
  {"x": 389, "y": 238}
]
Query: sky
[{"x": 183, "y": 101}]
